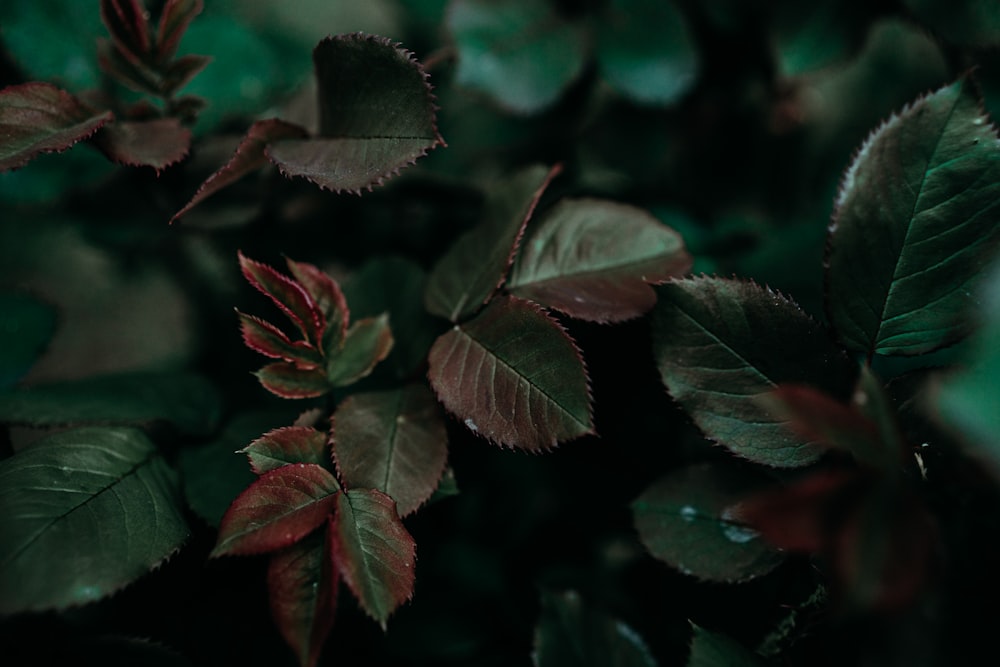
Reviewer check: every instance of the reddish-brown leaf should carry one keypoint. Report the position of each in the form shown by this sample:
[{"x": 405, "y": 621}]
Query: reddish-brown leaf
[
  {"x": 39, "y": 118},
  {"x": 289, "y": 381},
  {"x": 263, "y": 337},
  {"x": 126, "y": 22},
  {"x": 280, "y": 508},
  {"x": 150, "y": 143},
  {"x": 329, "y": 298},
  {"x": 288, "y": 295},
  {"x": 286, "y": 446},
  {"x": 180, "y": 72},
  {"x": 174, "y": 21}
]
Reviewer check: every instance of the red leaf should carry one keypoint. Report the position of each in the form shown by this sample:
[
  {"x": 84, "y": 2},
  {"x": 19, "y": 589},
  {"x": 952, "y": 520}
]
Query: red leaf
[
  {"x": 329, "y": 298},
  {"x": 263, "y": 337},
  {"x": 286, "y": 446},
  {"x": 152, "y": 143},
  {"x": 302, "y": 586},
  {"x": 277, "y": 510},
  {"x": 289, "y": 381},
  {"x": 126, "y": 22},
  {"x": 40, "y": 118},
  {"x": 249, "y": 156},
  {"x": 288, "y": 295},
  {"x": 174, "y": 21}
]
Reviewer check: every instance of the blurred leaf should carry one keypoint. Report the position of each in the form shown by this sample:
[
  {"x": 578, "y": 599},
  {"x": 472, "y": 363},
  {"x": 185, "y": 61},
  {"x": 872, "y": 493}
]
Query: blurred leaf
[
  {"x": 366, "y": 343},
  {"x": 51, "y": 176},
  {"x": 519, "y": 52},
  {"x": 686, "y": 520},
  {"x": 187, "y": 401},
  {"x": 377, "y": 116},
  {"x": 591, "y": 259},
  {"x": 86, "y": 512},
  {"x": 645, "y": 50},
  {"x": 393, "y": 441},
  {"x": 711, "y": 649},
  {"x": 817, "y": 35},
  {"x": 913, "y": 226},
  {"x": 175, "y": 18},
  {"x": 155, "y": 143},
  {"x": 972, "y": 22},
  {"x": 53, "y": 40},
  {"x": 286, "y": 446},
  {"x": 571, "y": 633},
  {"x": 40, "y": 118},
  {"x": 129, "y": 29},
  {"x": 373, "y": 551},
  {"x": 722, "y": 344},
  {"x": 476, "y": 265},
  {"x": 278, "y": 509},
  {"x": 302, "y": 586},
  {"x": 513, "y": 376},
  {"x": 26, "y": 326}
]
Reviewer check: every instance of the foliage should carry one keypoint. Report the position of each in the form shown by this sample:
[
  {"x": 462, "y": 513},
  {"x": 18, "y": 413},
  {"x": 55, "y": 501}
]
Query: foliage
[{"x": 643, "y": 363}]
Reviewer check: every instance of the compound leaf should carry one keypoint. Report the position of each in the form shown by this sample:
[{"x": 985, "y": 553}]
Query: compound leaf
[{"x": 291, "y": 297}]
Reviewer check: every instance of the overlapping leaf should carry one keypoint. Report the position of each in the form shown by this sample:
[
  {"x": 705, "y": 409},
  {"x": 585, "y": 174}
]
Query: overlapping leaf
[
  {"x": 915, "y": 223},
  {"x": 86, "y": 512},
  {"x": 513, "y": 376},
  {"x": 592, "y": 259},
  {"x": 393, "y": 441},
  {"x": 286, "y": 446},
  {"x": 366, "y": 343},
  {"x": 722, "y": 344}
]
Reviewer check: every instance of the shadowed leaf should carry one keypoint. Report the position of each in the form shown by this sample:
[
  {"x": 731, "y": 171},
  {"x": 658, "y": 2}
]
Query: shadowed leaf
[
  {"x": 972, "y": 23},
  {"x": 367, "y": 342},
  {"x": 373, "y": 551},
  {"x": 914, "y": 225},
  {"x": 286, "y": 446},
  {"x": 513, "y": 376},
  {"x": 721, "y": 344},
  {"x": 591, "y": 259},
  {"x": 155, "y": 143},
  {"x": 126, "y": 22},
  {"x": 174, "y": 20},
  {"x": 280, "y": 508},
  {"x": 39, "y": 118},
  {"x": 393, "y": 441},
  {"x": 86, "y": 512},
  {"x": 685, "y": 520},
  {"x": 476, "y": 264},
  {"x": 711, "y": 649},
  {"x": 289, "y": 381},
  {"x": 269, "y": 340},
  {"x": 327, "y": 296}
]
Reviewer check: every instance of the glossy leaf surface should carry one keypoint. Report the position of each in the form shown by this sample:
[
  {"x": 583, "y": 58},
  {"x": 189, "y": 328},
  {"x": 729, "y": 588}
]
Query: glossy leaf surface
[
  {"x": 914, "y": 224},
  {"x": 476, "y": 265},
  {"x": 286, "y": 446},
  {"x": 40, "y": 118},
  {"x": 366, "y": 343},
  {"x": 373, "y": 551},
  {"x": 86, "y": 512},
  {"x": 686, "y": 520},
  {"x": 721, "y": 345},
  {"x": 156, "y": 143},
  {"x": 513, "y": 376},
  {"x": 592, "y": 259},
  {"x": 393, "y": 441},
  {"x": 280, "y": 507}
]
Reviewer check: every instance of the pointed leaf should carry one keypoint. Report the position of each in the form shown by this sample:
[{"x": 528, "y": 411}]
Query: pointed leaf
[
  {"x": 179, "y": 74},
  {"x": 519, "y": 52},
  {"x": 155, "y": 143},
  {"x": 367, "y": 342},
  {"x": 685, "y": 520},
  {"x": 280, "y": 508},
  {"x": 126, "y": 22},
  {"x": 271, "y": 341},
  {"x": 86, "y": 512},
  {"x": 249, "y": 157},
  {"x": 591, "y": 259},
  {"x": 174, "y": 21},
  {"x": 514, "y": 377},
  {"x": 711, "y": 649},
  {"x": 915, "y": 223},
  {"x": 377, "y": 116},
  {"x": 373, "y": 551},
  {"x": 286, "y": 446},
  {"x": 187, "y": 401},
  {"x": 328, "y": 297},
  {"x": 476, "y": 265},
  {"x": 393, "y": 441},
  {"x": 302, "y": 587},
  {"x": 288, "y": 295},
  {"x": 39, "y": 118},
  {"x": 721, "y": 344},
  {"x": 289, "y": 381}
]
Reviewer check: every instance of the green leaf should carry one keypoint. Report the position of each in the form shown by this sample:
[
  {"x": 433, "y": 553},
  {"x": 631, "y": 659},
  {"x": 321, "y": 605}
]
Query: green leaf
[
  {"x": 290, "y": 381},
  {"x": 572, "y": 633},
  {"x": 86, "y": 512},
  {"x": 367, "y": 342},
  {"x": 393, "y": 441},
  {"x": 188, "y": 402},
  {"x": 809, "y": 37},
  {"x": 645, "y": 50},
  {"x": 39, "y": 118},
  {"x": 711, "y": 649},
  {"x": 377, "y": 116},
  {"x": 286, "y": 446},
  {"x": 513, "y": 376},
  {"x": 686, "y": 520},
  {"x": 969, "y": 23},
  {"x": 722, "y": 344},
  {"x": 914, "y": 225},
  {"x": 373, "y": 551},
  {"x": 475, "y": 266},
  {"x": 26, "y": 326},
  {"x": 519, "y": 52},
  {"x": 591, "y": 259}
]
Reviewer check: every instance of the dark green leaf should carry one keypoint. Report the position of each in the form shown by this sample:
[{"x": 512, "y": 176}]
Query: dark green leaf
[
  {"x": 187, "y": 401},
  {"x": 476, "y": 265},
  {"x": 513, "y": 376},
  {"x": 571, "y": 633},
  {"x": 808, "y": 37},
  {"x": 721, "y": 344},
  {"x": 686, "y": 520},
  {"x": 393, "y": 441},
  {"x": 711, "y": 649},
  {"x": 367, "y": 342},
  {"x": 972, "y": 22},
  {"x": 286, "y": 446},
  {"x": 914, "y": 225},
  {"x": 591, "y": 259},
  {"x": 26, "y": 326},
  {"x": 86, "y": 512}
]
